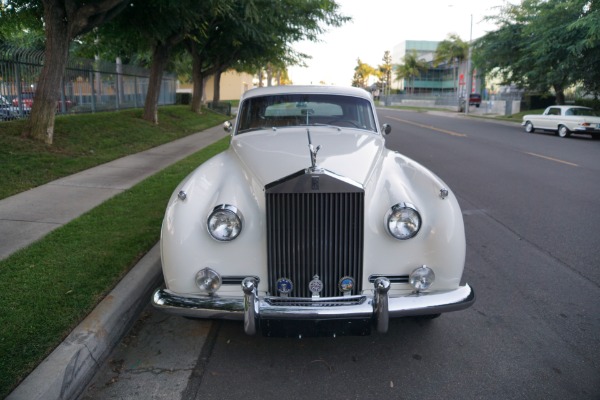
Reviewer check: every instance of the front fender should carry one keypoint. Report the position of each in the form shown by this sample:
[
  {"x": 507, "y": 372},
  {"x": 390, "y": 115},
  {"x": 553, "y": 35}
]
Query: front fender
[
  {"x": 440, "y": 243},
  {"x": 186, "y": 245}
]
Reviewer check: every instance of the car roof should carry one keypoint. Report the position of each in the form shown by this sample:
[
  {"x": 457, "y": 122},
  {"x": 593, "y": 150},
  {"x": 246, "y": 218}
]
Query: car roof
[
  {"x": 567, "y": 106},
  {"x": 305, "y": 89}
]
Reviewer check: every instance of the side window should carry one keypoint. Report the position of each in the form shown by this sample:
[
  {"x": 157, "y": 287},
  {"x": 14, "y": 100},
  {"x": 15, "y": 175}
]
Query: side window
[{"x": 554, "y": 111}]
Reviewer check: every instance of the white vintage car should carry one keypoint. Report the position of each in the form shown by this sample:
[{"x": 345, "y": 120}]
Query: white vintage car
[
  {"x": 564, "y": 120},
  {"x": 308, "y": 226}
]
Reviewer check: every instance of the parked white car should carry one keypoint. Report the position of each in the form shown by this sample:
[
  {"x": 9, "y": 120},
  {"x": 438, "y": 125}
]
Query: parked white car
[
  {"x": 308, "y": 226},
  {"x": 564, "y": 120},
  {"x": 7, "y": 111}
]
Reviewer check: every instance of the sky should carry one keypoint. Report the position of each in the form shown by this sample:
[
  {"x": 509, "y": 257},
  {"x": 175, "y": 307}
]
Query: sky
[{"x": 379, "y": 25}]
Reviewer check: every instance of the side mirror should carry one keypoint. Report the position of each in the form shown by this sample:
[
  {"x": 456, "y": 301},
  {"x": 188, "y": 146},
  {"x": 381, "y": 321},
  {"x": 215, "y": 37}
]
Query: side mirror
[
  {"x": 227, "y": 126},
  {"x": 386, "y": 129}
]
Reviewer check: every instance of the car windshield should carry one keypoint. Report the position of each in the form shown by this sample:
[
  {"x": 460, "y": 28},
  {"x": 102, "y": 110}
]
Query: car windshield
[
  {"x": 582, "y": 111},
  {"x": 274, "y": 111}
]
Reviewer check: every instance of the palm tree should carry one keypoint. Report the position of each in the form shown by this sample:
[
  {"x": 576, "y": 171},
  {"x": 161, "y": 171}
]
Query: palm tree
[
  {"x": 362, "y": 72},
  {"x": 411, "y": 68},
  {"x": 453, "y": 51}
]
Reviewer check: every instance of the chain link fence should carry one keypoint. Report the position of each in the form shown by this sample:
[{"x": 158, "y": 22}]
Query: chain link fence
[
  {"x": 87, "y": 86},
  {"x": 503, "y": 103}
]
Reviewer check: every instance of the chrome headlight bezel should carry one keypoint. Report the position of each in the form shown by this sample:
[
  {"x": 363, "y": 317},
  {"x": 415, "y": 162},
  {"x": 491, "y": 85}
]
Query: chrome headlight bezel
[
  {"x": 225, "y": 223},
  {"x": 403, "y": 221}
]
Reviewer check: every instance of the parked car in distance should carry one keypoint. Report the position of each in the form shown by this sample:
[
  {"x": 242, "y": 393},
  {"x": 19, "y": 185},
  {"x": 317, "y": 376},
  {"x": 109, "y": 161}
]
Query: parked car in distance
[
  {"x": 564, "y": 120},
  {"x": 475, "y": 99},
  {"x": 28, "y": 98},
  {"x": 8, "y": 111},
  {"x": 307, "y": 225}
]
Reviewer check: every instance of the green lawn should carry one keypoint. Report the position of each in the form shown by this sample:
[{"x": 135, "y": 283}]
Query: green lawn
[
  {"x": 47, "y": 288},
  {"x": 86, "y": 140}
]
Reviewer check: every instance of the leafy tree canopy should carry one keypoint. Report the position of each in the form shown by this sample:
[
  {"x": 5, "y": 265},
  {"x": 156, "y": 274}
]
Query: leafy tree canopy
[
  {"x": 362, "y": 72},
  {"x": 543, "y": 44}
]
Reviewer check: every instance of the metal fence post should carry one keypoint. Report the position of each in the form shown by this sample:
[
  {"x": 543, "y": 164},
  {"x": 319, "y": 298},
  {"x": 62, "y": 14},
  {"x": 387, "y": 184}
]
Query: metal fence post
[
  {"x": 82, "y": 84},
  {"x": 135, "y": 91},
  {"x": 93, "y": 90},
  {"x": 19, "y": 89},
  {"x": 63, "y": 108}
]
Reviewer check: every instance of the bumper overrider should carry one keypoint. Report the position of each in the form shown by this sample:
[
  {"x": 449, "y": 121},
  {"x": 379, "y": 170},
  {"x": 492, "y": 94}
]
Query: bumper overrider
[{"x": 282, "y": 316}]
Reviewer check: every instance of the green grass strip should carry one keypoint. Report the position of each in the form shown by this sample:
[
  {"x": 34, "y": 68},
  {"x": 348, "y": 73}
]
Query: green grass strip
[
  {"x": 86, "y": 140},
  {"x": 49, "y": 287}
]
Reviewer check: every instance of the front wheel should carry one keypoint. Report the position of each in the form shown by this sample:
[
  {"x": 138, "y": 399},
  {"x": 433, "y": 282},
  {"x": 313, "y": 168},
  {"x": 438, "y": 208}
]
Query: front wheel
[
  {"x": 563, "y": 131},
  {"x": 529, "y": 127}
]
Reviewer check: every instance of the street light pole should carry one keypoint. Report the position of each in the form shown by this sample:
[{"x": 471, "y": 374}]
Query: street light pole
[{"x": 469, "y": 77}]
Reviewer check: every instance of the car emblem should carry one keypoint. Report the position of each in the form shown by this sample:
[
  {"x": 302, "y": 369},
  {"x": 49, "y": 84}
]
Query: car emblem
[
  {"x": 313, "y": 151},
  {"x": 346, "y": 284},
  {"x": 315, "y": 286},
  {"x": 284, "y": 286}
]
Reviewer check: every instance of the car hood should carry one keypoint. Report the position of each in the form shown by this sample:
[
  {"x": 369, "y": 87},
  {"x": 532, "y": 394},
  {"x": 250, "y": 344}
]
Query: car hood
[{"x": 274, "y": 154}]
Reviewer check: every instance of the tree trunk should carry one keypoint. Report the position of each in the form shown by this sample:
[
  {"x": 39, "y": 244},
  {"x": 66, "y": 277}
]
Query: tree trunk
[
  {"x": 269, "y": 75},
  {"x": 160, "y": 56},
  {"x": 40, "y": 125},
  {"x": 63, "y": 20},
  {"x": 560, "y": 94},
  {"x": 217, "y": 87},
  {"x": 260, "y": 77},
  {"x": 198, "y": 81}
]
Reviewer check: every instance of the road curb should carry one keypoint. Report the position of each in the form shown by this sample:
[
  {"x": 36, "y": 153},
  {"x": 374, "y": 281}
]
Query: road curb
[{"x": 66, "y": 372}]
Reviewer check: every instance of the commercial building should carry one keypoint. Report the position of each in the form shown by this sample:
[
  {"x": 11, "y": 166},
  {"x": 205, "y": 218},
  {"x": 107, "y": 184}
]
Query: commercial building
[{"x": 443, "y": 79}]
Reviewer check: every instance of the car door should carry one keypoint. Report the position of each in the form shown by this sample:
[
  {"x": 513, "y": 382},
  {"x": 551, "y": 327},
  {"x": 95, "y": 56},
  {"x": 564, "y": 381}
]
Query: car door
[{"x": 553, "y": 115}]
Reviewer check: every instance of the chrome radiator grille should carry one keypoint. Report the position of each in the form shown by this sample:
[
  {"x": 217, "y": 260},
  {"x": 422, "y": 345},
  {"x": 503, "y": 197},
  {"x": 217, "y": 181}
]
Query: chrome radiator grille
[{"x": 314, "y": 231}]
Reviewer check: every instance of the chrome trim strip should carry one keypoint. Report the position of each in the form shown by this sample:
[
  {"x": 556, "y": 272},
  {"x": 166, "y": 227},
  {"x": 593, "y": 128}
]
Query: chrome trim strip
[
  {"x": 237, "y": 280},
  {"x": 391, "y": 278}
]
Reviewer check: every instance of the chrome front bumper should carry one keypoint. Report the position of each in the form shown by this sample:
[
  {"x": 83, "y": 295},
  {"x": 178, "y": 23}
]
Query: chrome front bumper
[{"x": 251, "y": 308}]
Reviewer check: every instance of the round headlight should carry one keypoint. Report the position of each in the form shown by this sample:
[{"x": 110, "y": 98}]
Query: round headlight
[
  {"x": 403, "y": 221},
  {"x": 224, "y": 223},
  {"x": 208, "y": 280},
  {"x": 421, "y": 278}
]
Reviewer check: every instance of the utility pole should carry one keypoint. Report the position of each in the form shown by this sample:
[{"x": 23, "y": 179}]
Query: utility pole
[{"x": 469, "y": 77}]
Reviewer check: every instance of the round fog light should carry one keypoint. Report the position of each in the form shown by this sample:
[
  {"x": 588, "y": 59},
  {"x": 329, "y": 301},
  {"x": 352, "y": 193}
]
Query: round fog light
[
  {"x": 208, "y": 280},
  {"x": 421, "y": 278}
]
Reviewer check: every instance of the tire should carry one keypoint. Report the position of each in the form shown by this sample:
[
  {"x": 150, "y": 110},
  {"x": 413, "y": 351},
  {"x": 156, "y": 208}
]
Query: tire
[
  {"x": 529, "y": 127},
  {"x": 563, "y": 131}
]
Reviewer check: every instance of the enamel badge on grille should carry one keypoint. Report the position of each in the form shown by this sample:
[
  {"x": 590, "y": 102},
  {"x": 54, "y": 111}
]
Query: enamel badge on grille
[
  {"x": 284, "y": 286},
  {"x": 346, "y": 284},
  {"x": 315, "y": 286}
]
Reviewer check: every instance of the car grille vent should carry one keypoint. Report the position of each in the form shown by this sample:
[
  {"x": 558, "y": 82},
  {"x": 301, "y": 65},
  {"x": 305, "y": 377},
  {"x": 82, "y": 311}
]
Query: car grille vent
[
  {"x": 321, "y": 302},
  {"x": 314, "y": 227}
]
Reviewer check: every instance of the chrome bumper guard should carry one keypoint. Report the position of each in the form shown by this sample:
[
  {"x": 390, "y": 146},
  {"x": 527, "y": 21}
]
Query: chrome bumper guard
[{"x": 251, "y": 309}]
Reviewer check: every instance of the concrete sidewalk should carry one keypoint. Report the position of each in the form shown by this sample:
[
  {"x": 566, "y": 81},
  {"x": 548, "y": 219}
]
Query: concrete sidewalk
[{"x": 29, "y": 216}]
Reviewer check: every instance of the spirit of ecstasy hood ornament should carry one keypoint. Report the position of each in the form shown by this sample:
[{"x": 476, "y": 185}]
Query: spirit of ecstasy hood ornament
[{"x": 313, "y": 150}]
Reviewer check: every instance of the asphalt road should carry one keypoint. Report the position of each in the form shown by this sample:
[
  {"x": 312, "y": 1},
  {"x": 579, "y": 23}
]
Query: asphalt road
[{"x": 530, "y": 205}]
